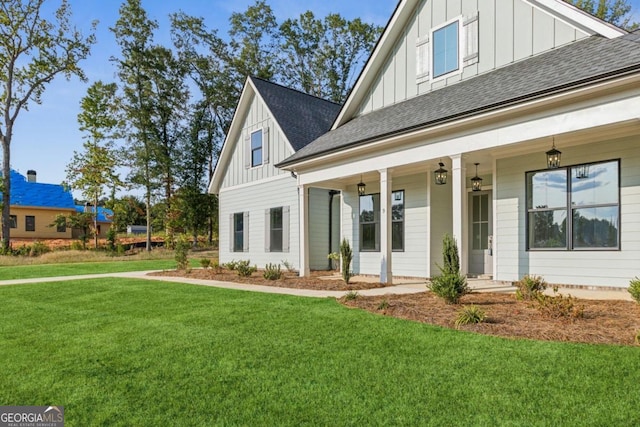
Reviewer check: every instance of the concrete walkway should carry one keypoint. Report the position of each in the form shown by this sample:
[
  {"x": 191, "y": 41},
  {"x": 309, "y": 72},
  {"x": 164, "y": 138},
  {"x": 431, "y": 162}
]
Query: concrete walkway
[{"x": 403, "y": 286}]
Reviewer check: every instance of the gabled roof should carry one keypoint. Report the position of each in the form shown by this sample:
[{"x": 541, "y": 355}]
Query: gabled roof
[
  {"x": 572, "y": 66},
  {"x": 301, "y": 117},
  {"x": 104, "y": 214},
  {"x": 39, "y": 195},
  {"x": 404, "y": 11}
]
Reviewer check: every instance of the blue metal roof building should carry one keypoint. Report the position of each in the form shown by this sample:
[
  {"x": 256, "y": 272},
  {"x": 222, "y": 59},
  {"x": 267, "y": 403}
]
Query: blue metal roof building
[{"x": 25, "y": 193}]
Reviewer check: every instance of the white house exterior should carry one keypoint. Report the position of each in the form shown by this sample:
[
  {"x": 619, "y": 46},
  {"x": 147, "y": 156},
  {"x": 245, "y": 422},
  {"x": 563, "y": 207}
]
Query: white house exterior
[
  {"x": 486, "y": 87},
  {"x": 258, "y": 212}
]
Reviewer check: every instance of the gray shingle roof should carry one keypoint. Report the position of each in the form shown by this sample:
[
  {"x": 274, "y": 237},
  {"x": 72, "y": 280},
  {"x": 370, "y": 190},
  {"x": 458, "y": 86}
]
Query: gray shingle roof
[
  {"x": 302, "y": 117},
  {"x": 570, "y": 66}
]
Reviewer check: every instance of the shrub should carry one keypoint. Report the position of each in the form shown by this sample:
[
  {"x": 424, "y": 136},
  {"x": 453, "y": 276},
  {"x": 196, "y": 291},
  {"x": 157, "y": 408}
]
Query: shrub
[
  {"x": 347, "y": 256},
  {"x": 470, "y": 315},
  {"x": 450, "y": 255},
  {"x": 559, "y": 306},
  {"x": 180, "y": 253},
  {"x": 77, "y": 245},
  {"x": 244, "y": 269},
  {"x": 231, "y": 265},
  {"x": 530, "y": 287},
  {"x": 112, "y": 237},
  {"x": 384, "y": 304},
  {"x": 205, "y": 263},
  {"x": 217, "y": 269},
  {"x": 272, "y": 272},
  {"x": 288, "y": 266},
  {"x": 450, "y": 287},
  {"x": 634, "y": 289},
  {"x": 38, "y": 248},
  {"x": 351, "y": 295}
]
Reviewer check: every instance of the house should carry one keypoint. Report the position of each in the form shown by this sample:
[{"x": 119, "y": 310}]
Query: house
[
  {"x": 258, "y": 201},
  {"x": 512, "y": 125},
  {"x": 34, "y": 207},
  {"x": 104, "y": 220}
]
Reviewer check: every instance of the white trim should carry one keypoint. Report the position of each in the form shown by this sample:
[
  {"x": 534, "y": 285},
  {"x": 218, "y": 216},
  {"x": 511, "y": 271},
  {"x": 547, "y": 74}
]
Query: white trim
[
  {"x": 250, "y": 148},
  {"x": 254, "y": 183},
  {"x": 354, "y": 152},
  {"x": 461, "y": 44}
]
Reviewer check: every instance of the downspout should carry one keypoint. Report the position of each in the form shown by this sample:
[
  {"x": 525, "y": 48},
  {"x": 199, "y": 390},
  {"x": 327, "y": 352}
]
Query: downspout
[{"x": 331, "y": 194}]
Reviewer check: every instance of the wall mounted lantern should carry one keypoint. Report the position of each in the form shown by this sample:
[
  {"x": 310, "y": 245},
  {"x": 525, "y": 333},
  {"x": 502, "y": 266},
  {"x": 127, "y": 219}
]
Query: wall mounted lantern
[
  {"x": 441, "y": 174},
  {"x": 476, "y": 181}
]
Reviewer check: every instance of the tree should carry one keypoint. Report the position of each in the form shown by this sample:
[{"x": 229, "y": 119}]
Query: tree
[
  {"x": 134, "y": 34},
  {"x": 93, "y": 170},
  {"x": 323, "y": 57},
  {"x": 33, "y": 51},
  {"x": 616, "y": 12}
]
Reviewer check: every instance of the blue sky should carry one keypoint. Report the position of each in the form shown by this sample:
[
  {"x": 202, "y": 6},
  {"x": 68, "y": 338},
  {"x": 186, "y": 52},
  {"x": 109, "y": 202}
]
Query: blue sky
[{"x": 46, "y": 136}]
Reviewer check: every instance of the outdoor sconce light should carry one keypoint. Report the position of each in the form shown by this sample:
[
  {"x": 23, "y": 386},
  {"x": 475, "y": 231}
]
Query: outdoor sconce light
[
  {"x": 553, "y": 157},
  {"x": 441, "y": 174},
  {"x": 476, "y": 181},
  {"x": 362, "y": 187}
]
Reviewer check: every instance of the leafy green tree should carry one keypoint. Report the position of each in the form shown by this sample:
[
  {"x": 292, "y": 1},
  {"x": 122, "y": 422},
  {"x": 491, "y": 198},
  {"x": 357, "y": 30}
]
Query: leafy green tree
[
  {"x": 93, "y": 170},
  {"x": 323, "y": 57},
  {"x": 616, "y": 12},
  {"x": 127, "y": 210},
  {"x": 33, "y": 51},
  {"x": 83, "y": 221}
]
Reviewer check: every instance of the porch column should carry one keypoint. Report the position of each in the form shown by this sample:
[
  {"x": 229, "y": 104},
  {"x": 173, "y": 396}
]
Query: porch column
[
  {"x": 459, "y": 214},
  {"x": 385, "y": 227},
  {"x": 303, "y": 196}
]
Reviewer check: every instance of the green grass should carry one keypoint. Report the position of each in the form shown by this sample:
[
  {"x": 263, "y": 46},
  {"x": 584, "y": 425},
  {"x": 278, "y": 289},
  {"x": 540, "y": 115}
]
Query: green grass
[
  {"x": 132, "y": 352},
  {"x": 118, "y": 265}
]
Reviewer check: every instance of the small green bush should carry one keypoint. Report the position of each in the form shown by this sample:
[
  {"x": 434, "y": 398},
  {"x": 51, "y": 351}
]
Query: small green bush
[
  {"x": 272, "y": 272},
  {"x": 77, "y": 245},
  {"x": 231, "y": 265},
  {"x": 290, "y": 268},
  {"x": 384, "y": 304},
  {"x": 351, "y": 295},
  {"x": 181, "y": 253},
  {"x": 634, "y": 289},
  {"x": 530, "y": 287},
  {"x": 38, "y": 248},
  {"x": 205, "y": 263},
  {"x": 450, "y": 287},
  {"x": 215, "y": 266},
  {"x": 244, "y": 268},
  {"x": 450, "y": 255},
  {"x": 469, "y": 315},
  {"x": 347, "y": 256}
]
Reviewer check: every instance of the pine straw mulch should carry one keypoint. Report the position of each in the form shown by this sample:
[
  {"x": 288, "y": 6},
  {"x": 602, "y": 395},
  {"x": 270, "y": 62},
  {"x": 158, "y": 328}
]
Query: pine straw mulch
[
  {"x": 317, "y": 281},
  {"x": 604, "y": 321}
]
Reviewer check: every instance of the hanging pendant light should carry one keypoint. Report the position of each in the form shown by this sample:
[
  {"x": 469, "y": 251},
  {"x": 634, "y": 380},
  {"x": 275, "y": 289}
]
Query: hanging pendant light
[
  {"x": 553, "y": 157},
  {"x": 441, "y": 174},
  {"x": 362, "y": 187},
  {"x": 582, "y": 171},
  {"x": 476, "y": 181}
]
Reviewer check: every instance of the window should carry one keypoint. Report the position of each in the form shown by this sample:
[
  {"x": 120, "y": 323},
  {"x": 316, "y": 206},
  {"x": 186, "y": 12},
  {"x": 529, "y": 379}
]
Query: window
[
  {"x": 30, "y": 223},
  {"x": 445, "y": 49},
  {"x": 62, "y": 228},
  {"x": 256, "y": 148},
  {"x": 13, "y": 221},
  {"x": 238, "y": 232},
  {"x": 275, "y": 230},
  {"x": 370, "y": 222},
  {"x": 480, "y": 222},
  {"x": 397, "y": 220},
  {"x": 574, "y": 208}
]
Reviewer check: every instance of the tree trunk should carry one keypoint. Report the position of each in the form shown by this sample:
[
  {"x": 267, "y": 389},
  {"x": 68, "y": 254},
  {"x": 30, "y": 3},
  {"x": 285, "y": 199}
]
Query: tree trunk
[
  {"x": 6, "y": 200},
  {"x": 148, "y": 203},
  {"x": 95, "y": 220}
]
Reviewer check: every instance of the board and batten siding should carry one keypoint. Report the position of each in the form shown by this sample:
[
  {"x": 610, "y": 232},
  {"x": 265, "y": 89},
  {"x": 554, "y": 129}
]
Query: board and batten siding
[
  {"x": 593, "y": 268},
  {"x": 237, "y": 172},
  {"x": 414, "y": 260},
  {"x": 256, "y": 199},
  {"x": 508, "y": 31}
]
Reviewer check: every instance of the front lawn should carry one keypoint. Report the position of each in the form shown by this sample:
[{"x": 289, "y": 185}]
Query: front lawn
[{"x": 132, "y": 352}]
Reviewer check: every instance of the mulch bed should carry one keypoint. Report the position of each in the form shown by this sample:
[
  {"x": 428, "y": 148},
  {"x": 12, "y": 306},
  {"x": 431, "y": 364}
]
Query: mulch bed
[{"x": 604, "y": 321}]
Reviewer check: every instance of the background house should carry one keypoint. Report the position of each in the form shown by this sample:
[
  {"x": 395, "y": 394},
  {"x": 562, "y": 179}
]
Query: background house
[
  {"x": 104, "y": 220},
  {"x": 485, "y": 90},
  {"x": 35, "y": 205}
]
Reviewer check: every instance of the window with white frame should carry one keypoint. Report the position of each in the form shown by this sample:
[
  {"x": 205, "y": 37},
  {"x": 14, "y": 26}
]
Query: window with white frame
[
  {"x": 574, "y": 208},
  {"x": 256, "y": 148},
  {"x": 446, "y": 49},
  {"x": 370, "y": 222},
  {"x": 239, "y": 232},
  {"x": 277, "y": 229}
]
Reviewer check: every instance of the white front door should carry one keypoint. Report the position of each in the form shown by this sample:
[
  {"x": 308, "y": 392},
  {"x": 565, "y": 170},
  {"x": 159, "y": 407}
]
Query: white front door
[{"x": 480, "y": 236}]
